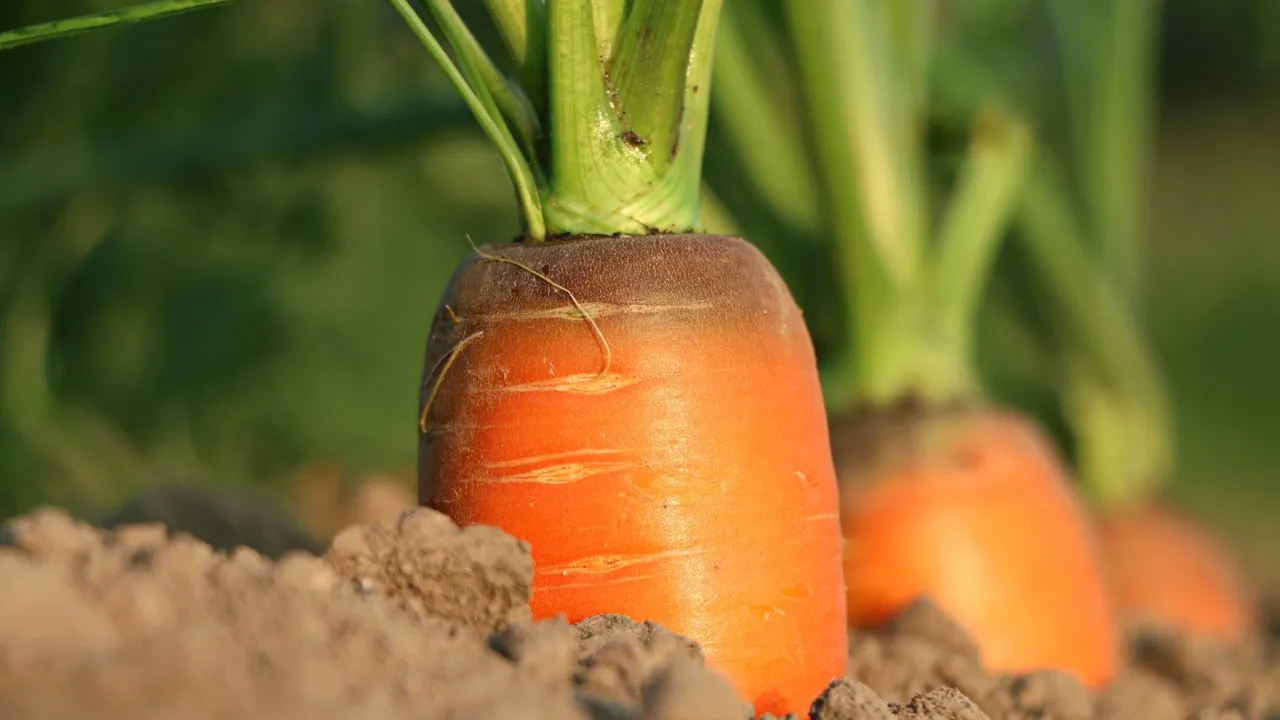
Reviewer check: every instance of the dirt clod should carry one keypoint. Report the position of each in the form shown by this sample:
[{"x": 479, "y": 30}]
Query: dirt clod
[
  {"x": 478, "y": 576},
  {"x": 849, "y": 700},
  {"x": 942, "y": 703},
  {"x": 417, "y": 618},
  {"x": 617, "y": 656},
  {"x": 687, "y": 690}
]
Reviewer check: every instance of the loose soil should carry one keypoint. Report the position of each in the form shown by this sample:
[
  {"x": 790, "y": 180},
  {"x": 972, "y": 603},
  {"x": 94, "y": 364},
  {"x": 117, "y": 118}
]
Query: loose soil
[{"x": 416, "y": 618}]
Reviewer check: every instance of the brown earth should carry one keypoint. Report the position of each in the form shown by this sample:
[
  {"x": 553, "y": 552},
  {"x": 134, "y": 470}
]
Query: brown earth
[{"x": 417, "y": 618}]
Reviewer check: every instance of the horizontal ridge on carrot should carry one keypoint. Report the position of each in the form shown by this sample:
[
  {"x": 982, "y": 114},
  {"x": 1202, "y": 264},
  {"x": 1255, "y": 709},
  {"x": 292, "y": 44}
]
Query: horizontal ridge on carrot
[
  {"x": 943, "y": 494},
  {"x": 638, "y": 401}
]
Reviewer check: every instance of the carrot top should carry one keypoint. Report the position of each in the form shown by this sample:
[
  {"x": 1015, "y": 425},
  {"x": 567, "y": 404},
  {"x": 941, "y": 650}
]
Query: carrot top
[
  {"x": 603, "y": 130},
  {"x": 910, "y": 281},
  {"x": 67, "y": 27},
  {"x": 1081, "y": 227}
]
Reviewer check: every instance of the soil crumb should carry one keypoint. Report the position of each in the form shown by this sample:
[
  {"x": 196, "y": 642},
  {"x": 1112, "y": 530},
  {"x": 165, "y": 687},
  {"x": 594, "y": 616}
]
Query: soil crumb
[
  {"x": 478, "y": 577},
  {"x": 414, "y": 617}
]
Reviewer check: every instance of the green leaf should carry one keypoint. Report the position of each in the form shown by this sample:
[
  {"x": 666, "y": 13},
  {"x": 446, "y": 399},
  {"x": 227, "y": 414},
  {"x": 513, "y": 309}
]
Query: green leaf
[
  {"x": 1122, "y": 99},
  {"x": 844, "y": 46},
  {"x": 976, "y": 218},
  {"x": 1113, "y": 384},
  {"x": 84, "y": 23},
  {"x": 768, "y": 142},
  {"x": 501, "y": 98},
  {"x": 491, "y": 122},
  {"x": 523, "y": 26}
]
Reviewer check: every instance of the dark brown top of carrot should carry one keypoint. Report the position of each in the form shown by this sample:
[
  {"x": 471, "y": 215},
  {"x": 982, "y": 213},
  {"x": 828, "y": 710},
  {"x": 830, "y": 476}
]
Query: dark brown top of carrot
[{"x": 622, "y": 274}]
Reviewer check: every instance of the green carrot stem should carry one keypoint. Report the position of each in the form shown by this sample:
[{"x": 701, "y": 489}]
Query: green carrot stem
[
  {"x": 523, "y": 26},
  {"x": 767, "y": 142},
  {"x": 626, "y": 143},
  {"x": 649, "y": 70},
  {"x": 977, "y": 217},
  {"x": 74, "y": 26},
  {"x": 501, "y": 98},
  {"x": 520, "y": 169},
  {"x": 1114, "y": 393},
  {"x": 911, "y": 289},
  {"x": 1117, "y": 153}
]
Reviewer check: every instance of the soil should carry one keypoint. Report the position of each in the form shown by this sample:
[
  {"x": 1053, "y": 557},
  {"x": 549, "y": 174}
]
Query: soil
[{"x": 414, "y": 617}]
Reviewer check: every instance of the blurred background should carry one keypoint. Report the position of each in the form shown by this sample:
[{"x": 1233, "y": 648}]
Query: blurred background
[{"x": 223, "y": 235}]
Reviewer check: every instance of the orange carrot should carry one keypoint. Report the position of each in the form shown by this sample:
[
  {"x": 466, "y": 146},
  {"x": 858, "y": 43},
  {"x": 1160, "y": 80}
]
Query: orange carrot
[
  {"x": 646, "y": 412},
  {"x": 973, "y": 510},
  {"x": 637, "y": 401},
  {"x": 1169, "y": 573}
]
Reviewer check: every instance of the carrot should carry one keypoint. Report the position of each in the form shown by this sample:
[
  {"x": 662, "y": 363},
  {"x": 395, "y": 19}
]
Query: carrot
[
  {"x": 974, "y": 510},
  {"x": 638, "y": 401},
  {"x": 943, "y": 493},
  {"x": 644, "y": 477},
  {"x": 1167, "y": 573},
  {"x": 1083, "y": 243}
]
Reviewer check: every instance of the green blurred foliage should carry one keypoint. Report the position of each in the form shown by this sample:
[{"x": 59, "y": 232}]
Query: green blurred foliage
[{"x": 222, "y": 237}]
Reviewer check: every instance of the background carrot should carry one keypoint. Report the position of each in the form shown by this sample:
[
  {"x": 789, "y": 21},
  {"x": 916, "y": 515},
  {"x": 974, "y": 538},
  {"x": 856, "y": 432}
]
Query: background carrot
[
  {"x": 640, "y": 403},
  {"x": 1078, "y": 266},
  {"x": 943, "y": 494},
  {"x": 1167, "y": 573}
]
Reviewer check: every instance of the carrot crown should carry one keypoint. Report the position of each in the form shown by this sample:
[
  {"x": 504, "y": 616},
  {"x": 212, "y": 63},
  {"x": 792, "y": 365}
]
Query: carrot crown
[
  {"x": 603, "y": 130},
  {"x": 910, "y": 280}
]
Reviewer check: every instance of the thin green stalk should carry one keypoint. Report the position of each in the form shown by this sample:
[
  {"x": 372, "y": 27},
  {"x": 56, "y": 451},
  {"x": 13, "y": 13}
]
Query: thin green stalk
[
  {"x": 695, "y": 117},
  {"x": 979, "y": 213},
  {"x": 84, "y": 23},
  {"x": 866, "y": 291},
  {"x": 500, "y": 97},
  {"x": 523, "y": 27},
  {"x": 1121, "y": 108},
  {"x": 1113, "y": 391},
  {"x": 859, "y": 67},
  {"x": 913, "y": 31},
  {"x": 482, "y": 106},
  {"x": 768, "y": 144}
]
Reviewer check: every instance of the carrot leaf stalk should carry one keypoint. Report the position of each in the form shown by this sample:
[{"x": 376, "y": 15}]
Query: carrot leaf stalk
[
  {"x": 1084, "y": 243},
  {"x": 1113, "y": 395},
  {"x": 912, "y": 285},
  {"x": 603, "y": 133},
  {"x": 747, "y": 107},
  {"x": 67, "y": 27}
]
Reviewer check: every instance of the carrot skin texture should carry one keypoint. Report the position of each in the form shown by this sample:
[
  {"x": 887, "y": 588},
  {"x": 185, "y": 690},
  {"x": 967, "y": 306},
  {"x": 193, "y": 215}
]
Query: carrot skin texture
[
  {"x": 1169, "y": 573},
  {"x": 974, "y": 510},
  {"x": 687, "y": 481}
]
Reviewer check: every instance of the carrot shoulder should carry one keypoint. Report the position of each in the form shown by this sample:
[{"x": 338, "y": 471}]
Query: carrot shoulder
[{"x": 646, "y": 412}]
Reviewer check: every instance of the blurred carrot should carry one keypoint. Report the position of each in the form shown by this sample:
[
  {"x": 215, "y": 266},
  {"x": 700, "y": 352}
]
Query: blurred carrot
[
  {"x": 638, "y": 401},
  {"x": 1083, "y": 245},
  {"x": 943, "y": 494},
  {"x": 1166, "y": 572}
]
